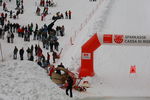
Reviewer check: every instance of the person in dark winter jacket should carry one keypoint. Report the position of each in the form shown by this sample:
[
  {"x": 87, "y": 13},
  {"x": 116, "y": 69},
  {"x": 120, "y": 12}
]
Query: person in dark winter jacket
[
  {"x": 15, "y": 52},
  {"x": 4, "y": 6},
  {"x": 54, "y": 56},
  {"x": 32, "y": 49},
  {"x": 51, "y": 45},
  {"x": 10, "y": 14},
  {"x": 12, "y": 37},
  {"x": 28, "y": 53},
  {"x": 56, "y": 44},
  {"x": 21, "y": 52},
  {"x": 69, "y": 13},
  {"x": 39, "y": 62},
  {"x": 2, "y": 20},
  {"x": 69, "y": 87},
  {"x": 36, "y": 48},
  {"x": 38, "y": 11},
  {"x": 59, "y": 66},
  {"x": 48, "y": 58},
  {"x": 8, "y": 37},
  {"x": 66, "y": 14},
  {"x": 1, "y": 1},
  {"x": 31, "y": 58},
  {"x": 62, "y": 30}
]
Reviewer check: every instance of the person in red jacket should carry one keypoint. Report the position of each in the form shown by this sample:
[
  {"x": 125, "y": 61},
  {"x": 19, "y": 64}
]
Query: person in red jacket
[
  {"x": 51, "y": 69},
  {"x": 19, "y": 32},
  {"x": 39, "y": 53}
]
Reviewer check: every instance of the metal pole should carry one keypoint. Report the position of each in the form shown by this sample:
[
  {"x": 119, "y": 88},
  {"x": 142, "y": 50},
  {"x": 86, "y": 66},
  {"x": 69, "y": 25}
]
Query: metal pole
[{"x": 1, "y": 52}]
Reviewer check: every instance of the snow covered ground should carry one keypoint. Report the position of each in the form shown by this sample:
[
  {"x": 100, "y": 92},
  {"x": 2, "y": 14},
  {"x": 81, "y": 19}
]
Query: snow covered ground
[
  {"x": 113, "y": 63},
  {"x": 27, "y": 81},
  {"x": 24, "y": 80}
]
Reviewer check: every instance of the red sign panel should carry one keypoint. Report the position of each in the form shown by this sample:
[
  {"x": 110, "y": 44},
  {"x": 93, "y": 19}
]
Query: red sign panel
[
  {"x": 132, "y": 69},
  {"x": 107, "y": 38},
  {"x": 86, "y": 55}
]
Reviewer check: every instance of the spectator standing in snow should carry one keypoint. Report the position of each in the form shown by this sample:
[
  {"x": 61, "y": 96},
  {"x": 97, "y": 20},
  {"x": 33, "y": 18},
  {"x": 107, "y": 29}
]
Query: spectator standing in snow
[
  {"x": 28, "y": 53},
  {"x": 3, "y": 34},
  {"x": 17, "y": 13},
  {"x": 12, "y": 37},
  {"x": 62, "y": 16},
  {"x": 48, "y": 58},
  {"x": 22, "y": 9},
  {"x": 62, "y": 30},
  {"x": 56, "y": 44},
  {"x": 69, "y": 87},
  {"x": 69, "y": 14},
  {"x": 51, "y": 45},
  {"x": 38, "y": 11},
  {"x": 39, "y": 53},
  {"x": 4, "y": 6},
  {"x": 66, "y": 15},
  {"x": 36, "y": 48},
  {"x": 31, "y": 58},
  {"x": 2, "y": 19},
  {"x": 54, "y": 56},
  {"x": 8, "y": 37},
  {"x": 15, "y": 52},
  {"x": 1, "y": 2},
  {"x": 10, "y": 14},
  {"x": 32, "y": 49},
  {"x": 21, "y": 52},
  {"x": 5, "y": 18},
  {"x": 17, "y": 3}
]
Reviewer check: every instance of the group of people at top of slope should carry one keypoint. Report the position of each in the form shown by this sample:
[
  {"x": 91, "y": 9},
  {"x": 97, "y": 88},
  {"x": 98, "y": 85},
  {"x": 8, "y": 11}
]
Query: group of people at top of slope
[
  {"x": 13, "y": 14},
  {"x": 58, "y": 15},
  {"x": 39, "y": 34}
]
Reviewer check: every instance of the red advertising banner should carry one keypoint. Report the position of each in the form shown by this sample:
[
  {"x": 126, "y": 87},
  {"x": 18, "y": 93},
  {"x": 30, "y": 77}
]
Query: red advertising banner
[{"x": 116, "y": 39}]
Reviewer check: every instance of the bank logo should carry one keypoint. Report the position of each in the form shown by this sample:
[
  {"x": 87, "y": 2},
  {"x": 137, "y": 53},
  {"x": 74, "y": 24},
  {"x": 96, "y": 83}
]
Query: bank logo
[{"x": 118, "y": 38}]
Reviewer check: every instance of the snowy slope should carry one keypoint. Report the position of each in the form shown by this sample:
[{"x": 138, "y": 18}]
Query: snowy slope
[
  {"x": 112, "y": 63},
  {"x": 27, "y": 81},
  {"x": 24, "y": 80}
]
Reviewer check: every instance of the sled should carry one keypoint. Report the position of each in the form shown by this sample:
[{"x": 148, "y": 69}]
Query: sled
[
  {"x": 60, "y": 79},
  {"x": 57, "y": 78}
]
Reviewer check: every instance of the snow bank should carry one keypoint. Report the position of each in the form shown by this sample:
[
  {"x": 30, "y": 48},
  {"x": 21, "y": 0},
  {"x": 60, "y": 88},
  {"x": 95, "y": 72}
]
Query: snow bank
[{"x": 25, "y": 80}]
